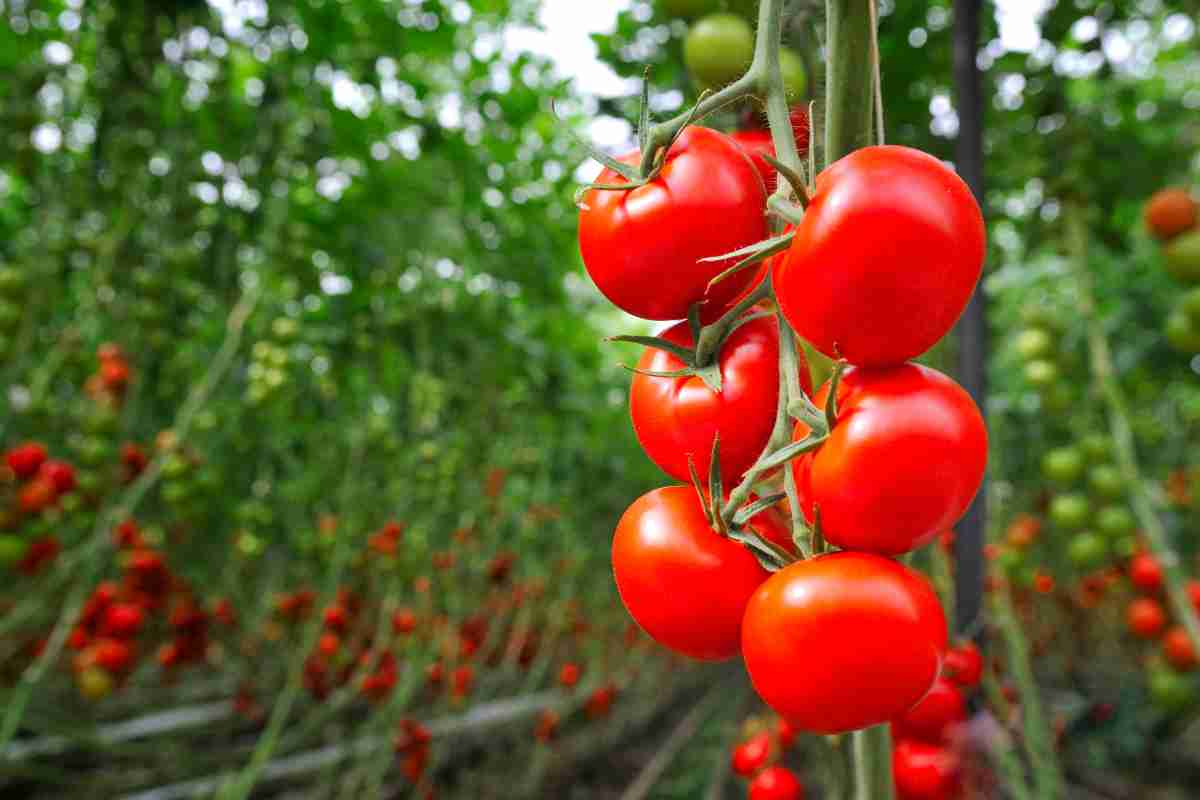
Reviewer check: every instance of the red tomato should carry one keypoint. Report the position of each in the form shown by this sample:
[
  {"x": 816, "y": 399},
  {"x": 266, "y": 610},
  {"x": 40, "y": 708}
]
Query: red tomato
[
  {"x": 642, "y": 247},
  {"x": 684, "y": 584},
  {"x": 786, "y": 733},
  {"x": 902, "y": 463},
  {"x": 931, "y": 719},
  {"x": 1146, "y": 573},
  {"x": 885, "y": 259},
  {"x": 60, "y": 474},
  {"x": 757, "y": 141},
  {"x": 843, "y": 641},
  {"x": 677, "y": 417},
  {"x": 122, "y": 620},
  {"x": 751, "y": 755},
  {"x": 37, "y": 495},
  {"x": 964, "y": 665},
  {"x": 25, "y": 459},
  {"x": 924, "y": 771},
  {"x": 1177, "y": 647},
  {"x": 776, "y": 783},
  {"x": 1193, "y": 590},
  {"x": 1146, "y": 618},
  {"x": 568, "y": 676}
]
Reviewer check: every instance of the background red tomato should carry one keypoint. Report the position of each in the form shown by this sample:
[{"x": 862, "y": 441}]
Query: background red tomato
[
  {"x": 931, "y": 719},
  {"x": 642, "y": 247},
  {"x": 885, "y": 259},
  {"x": 843, "y": 641},
  {"x": 924, "y": 771},
  {"x": 683, "y": 583},
  {"x": 902, "y": 463}
]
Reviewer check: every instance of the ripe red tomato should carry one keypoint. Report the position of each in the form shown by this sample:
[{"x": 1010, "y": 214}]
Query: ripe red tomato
[
  {"x": 1193, "y": 591},
  {"x": 757, "y": 141},
  {"x": 1146, "y": 573},
  {"x": 684, "y": 584},
  {"x": 1170, "y": 212},
  {"x": 776, "y": 783},
  {"x": 924, "y": 771},
  {"x": 568, "y": 675},
  {"x": 642, "y": 247},
  {"x": 843, "y": 641},
  {"x": 931, "y": 719},
  {"x": 1177, "y": 647},
  {"x": 60, "y": 474},
  {"x": 25, "y": 459},
  {"x": 677, "y": 417},
  {"x": 122, "y": 620},
  {"x": 964, "y": 665},
  {"x": 751, "y": 755},
  {"x": 885, "y": 259},
  {"x": 902, "y": 463},
  {"x": 1146, "y": 618}
]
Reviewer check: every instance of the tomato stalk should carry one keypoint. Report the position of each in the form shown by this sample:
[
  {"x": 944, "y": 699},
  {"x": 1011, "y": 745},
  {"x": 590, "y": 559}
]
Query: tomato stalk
[
  {"x": 872, "y": 775},
  {"x": 1122, "y": 433}
]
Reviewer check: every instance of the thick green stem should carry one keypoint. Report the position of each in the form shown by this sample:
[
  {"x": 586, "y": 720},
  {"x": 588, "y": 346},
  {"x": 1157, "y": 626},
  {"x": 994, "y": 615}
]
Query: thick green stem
[
  {"x": 872, "y": 754},
  {"x": 849, "y": 103},
  {"x": 1119, "y": 428}
]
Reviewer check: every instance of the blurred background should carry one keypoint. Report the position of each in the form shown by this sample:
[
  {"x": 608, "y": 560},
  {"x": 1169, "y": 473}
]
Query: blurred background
[{"x": 314, "y": 449}]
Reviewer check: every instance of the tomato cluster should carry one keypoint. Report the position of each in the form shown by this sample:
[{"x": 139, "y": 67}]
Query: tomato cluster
[
  {"x": 1172, "y": 216},
  {"x": 757, "y": 759}
]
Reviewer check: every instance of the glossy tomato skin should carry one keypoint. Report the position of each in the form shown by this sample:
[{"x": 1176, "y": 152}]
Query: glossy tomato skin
[
  {"x": 1146, "y": 618},
  {"x": 843, "y": 641},
  {"x": 757, "y": 141},
  {"x": 684, "y": 584},
  {"x": 964, "y": 665},
  {"x": 678, "y": 417},
  {"x": 642, "y": 247},
  {"x": 924, "y": 771},
  {"x": 751, "y": 755},
  {"x": 902, "y": 463},
  {"x": 932, "y": 719},
  {"x": 885, "y": 259},
  {"x": 776, "y": 783}
]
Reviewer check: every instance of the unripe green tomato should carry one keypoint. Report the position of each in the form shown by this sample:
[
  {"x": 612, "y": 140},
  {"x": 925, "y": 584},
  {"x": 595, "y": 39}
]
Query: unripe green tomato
[
  {"x": 1069, "y": 511},
  {"x": 175, "y": 467},
  {"x": 1182, "y": 257},
  {"x": 94, "y": 451},
  {"x": 1126, "y": 547},
  {"x": 1181, "y": 333},
  {"x": 1190, "y": 304},
  {"x": 70, "y": 503},
  {"x": 1106, "y": 481},
  {"x": 1171, "y": 692},
  {"x": 718, "y": 49},
  {"x": 1033, "y": 343},
  {"x": 94, "y": 683},
  {"x": 101, "y": 419},
  {"x": 175, "y": 492},
  {"x": 12, "y": 281},
  {"x": 1062, "y": 465},
  {"x": 256, "y": 394},
  {"x": 689, "y": 9},
  {"x": 1010, "y": 561},
  {"x": 278, "y": 357},
  {"x": 1115, "y": 522},
  {"x": 1087, "y": 550},
  {"x": 88, "y": 481},
  {"x": 795, "y": 79},
  {"x": 1097, "y": 446},
  {"x": 285, "y": 328},
  {"x": 12, "y": 549},
  {"x": 1039, "y": 316},
  {"x": 1041, "y": 373}
]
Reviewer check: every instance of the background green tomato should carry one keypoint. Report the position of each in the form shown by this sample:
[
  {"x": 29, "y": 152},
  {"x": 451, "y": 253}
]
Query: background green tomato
[
  {"x": 1182, "y": 257},
  {"x": 1087, "y": 550},
  {"x": 1106, "y": 481},
  {"x": 795, "y": 79},
  {"x": 1033, "y": 343},
  {"x": 718, "y": 49},
  {"x": 1096, "y": 446},
  {"x": 1062, "y": 464},
  {"x": 1070, "y": 511},
  {"x": 1170, "y": 692},
  {"x": 1115, "y": 522},
  {"x": 1182, "y": 334}
]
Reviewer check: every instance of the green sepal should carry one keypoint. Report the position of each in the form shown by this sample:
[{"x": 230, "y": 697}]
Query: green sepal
[
  {"x": 794, "y": 178},
  {"x": 716, "y": 491},
  {"x": 788, "y": 452},
  {"x": 835, "y": 380},
  {"x": 699, "y": 487},
  {"x": 685, "y": 354},
  {"x": 745, "y": 513},
  {"x": 752, "y": 249}
]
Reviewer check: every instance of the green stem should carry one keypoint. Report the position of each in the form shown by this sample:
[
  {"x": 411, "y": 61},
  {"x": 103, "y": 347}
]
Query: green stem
[
  {"x": 849, "y": 82},
  {"x": 872, "y": 755},
  {"x": 708, "y": 345},
  {"x": 1119, "y": 427}
]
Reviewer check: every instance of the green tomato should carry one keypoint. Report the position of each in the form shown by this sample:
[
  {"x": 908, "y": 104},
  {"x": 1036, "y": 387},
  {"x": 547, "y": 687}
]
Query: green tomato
[
  {"x": 1010, "y": 562},
  {"x": 1087, "y": 550},
  {"x": 12, "y": 548},
  {"x": 1062, "y": 465},
  {"x": 1126, "y": 547},
  {"x": 1041, "y": 373},
  {"x": 718, "y": 49},
  {"x": 1182, "y": 256},
  {"x": 688, "y": 9},
  {"x": 795, "y": 79},
  {"x": 1181, "y": 333},
  {"x": 1033, "y": 343},
  {"x": 1070, "y": 511},
  {"x": 1106, "y": 481},
  {"x": 1039, "y": 316},
  {"x": 1097, "y": 446},
  {"x": 1170, "y": 692},
  {"x": 1190, "y": 304},
  {"x": 1115, "y": 522}
]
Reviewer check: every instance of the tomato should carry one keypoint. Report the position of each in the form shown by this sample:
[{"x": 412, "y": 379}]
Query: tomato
[
  {"x": 60, "y": 474},
  {"x": 902, "y": 463},
  {"x": 843, "y": 641},
  {"x": 1193, "y": 592},
  {"x": 1070, "y": 511},
  {"x": 757, "y": 141},
  {"x": 885, "y": 259},
  {"x": 678, "y": 417},
  {"x": 931, "y": 719},
  {"x": 642, "y": 246},
  {"x": 1182, "y": 332},
  {"x": 786, "y": 733},
  {"x": 1171, "y": 692},
  {"x": 689, "y": 9},
  {"x": 964, "y": 665},
  {"x": 1087, "y": 550},
  {"x": 25, "y": 459},
  {"x": 1041, "y": 373},
  {"x": 1034, "y": 343},
  {"x": 1106, "y": 481},
  {"x": 1146, "y": 573},
  {"x": 684, "y": 584},
  {"x": 776, "y": 783},
  {"x": 1115, "y": 522},
  {"x": 1177, "y": 647},
  {"x": 751, "y": 755},
  {"x": 924, "y": 771},
  {"x": 1146, "y": 618},
  {"x": 718, "y": 50},
  {"x": 1170, "y": 212},
  {"x": 568, "y": 676},
  {"x": 1096, "y": 446},
  {"x": 1182, "y": 257},
  {"x": 795, "y": 78},
  {"x": 94, "y": 683},
  {"x": 1062, "y": 465},
  {"x": 122, "y": 620}
]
